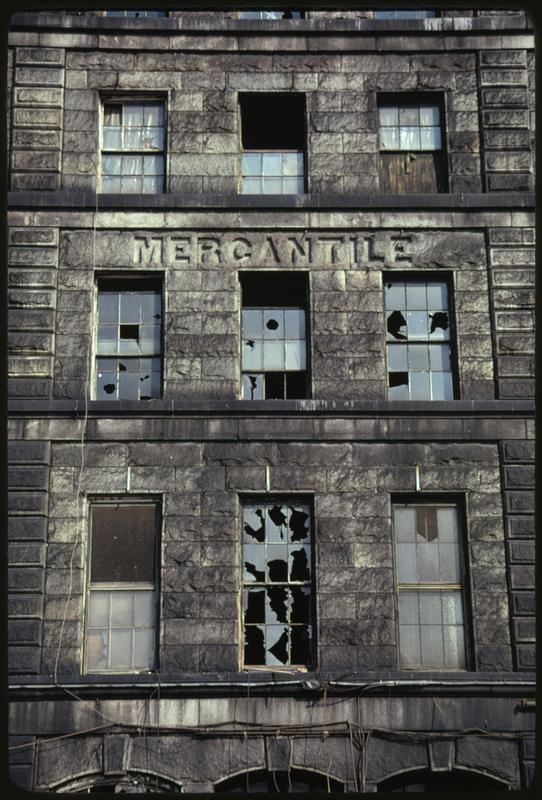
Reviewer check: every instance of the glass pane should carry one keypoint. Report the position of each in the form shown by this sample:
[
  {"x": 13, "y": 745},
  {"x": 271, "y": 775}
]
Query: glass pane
[
  {"x": 108, "y": 307},
  {"x": 447, "y": 525},
  {"x": 428, "y": 562},
  {"x": 272, "y": 164},
  {"x": 409, "y": 138},
  {"x": 254, "y": 562},
  {"x": 98, "y": 611},
  {"x": 439, "y": 325},
  {"x": 111, "y": 165},
  {"x": 252, "y": 186},
  {"x": 123, "y": 539},
  {"x": 252, "y": 388},
  {"x": 293, "y": 185},
  {"x": 276, "y": 644},
  {"x": 130, "y": 307},
  {"x": 254, "y": 524},
  {"x": 409, "y": 116},
  {"x": 273, "y": 356},
  {"x": 133, "y": 114},
  {"x": 389, "y": 138},
  {"x": 416, "y": 297},
  {"x": 430, "y": 139},
  {"x": 437, "y": 296},
  {"x": 276, "y": 524},
  {"x": 417, "y": 324},
  {"x": 419, "y": 386},
  {"x": 131, "y": 185},
  {"x": 442, "y": 386},
  {"x": 418, "y": 357},
  {"x": 295, "y": 355},
  {"x": 153, "y": 185},
  {"x": 388, "y": 115},
  {"x": 272, "y": 186},
  {"x": 429, "y": 115},
  {"x": 450, "y": 566},
  {"x": 252, "y": 323},
  {"x": 97, "y": 650},
  {"x": 144, "y": 609},
  {"x": 121, "y": 649},
  {"x": 153, "y": 165},
  {"x": 111, "y": 185},
  {"x": 132, "y": 165},
  {"x": 128, "y": 386},
  {"x": 406, "y": 563},
  {"x": 133, "y": 139},
  {"x": 394, "y": 294},
  {"x": 144, "y": 642},
  {"x": 409, "y": 636},
  {"x": 300, "y": 563},
  {"x": 252, "y": 354},
  {"x": 150, "y": 307},
  {"x": 112, "y": 139},
  {"x": 439, "y": 356},
  {"x": 397, "y": 358},
  {"x": 299, "y": 523},
  {"x": 432, "y": 645},
  {"x": 405, "y": 524},
  {"x": 251, "y": 164},
  {"x": 106, "y": 386},
  {"x": 408, "y": 608},
  {"x": 398, "y": 393},
  {"x": 454, "y": 647},
  {"x": 452, "y": 608},
  {"x": 292, "y": 164},
  {"x": 122, "y": 609},
  {"x": 276, "y": 605},
  {"x": 273, "y": 324},
  {"x": 149, "y": 338},
  {"x": 294, "y": 323},
  {"x": 107, "y": 339},
  {"x": 430, "y": 609},
  {"x": 112, "y": 114}
]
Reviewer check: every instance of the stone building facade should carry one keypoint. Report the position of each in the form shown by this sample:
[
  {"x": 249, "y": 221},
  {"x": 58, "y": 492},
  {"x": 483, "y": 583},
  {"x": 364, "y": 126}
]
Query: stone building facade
[{"x": 231, "y": 413}]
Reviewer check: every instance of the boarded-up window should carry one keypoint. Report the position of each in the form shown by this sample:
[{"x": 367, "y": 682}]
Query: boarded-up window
[
  {"x": 277, "y": 578},
  {"x": 122, "y": 597},
  {"x": 412, "y": 154},
  {"x": 429, "y": 577},
  {"x": 273, "y": 336}
]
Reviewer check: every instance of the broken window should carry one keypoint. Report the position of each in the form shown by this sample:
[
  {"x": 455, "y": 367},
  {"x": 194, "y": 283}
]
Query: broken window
[
  {"x": 133, "y": 147},
  {"x": 277, "y": 583},
  {"x": 129, "y": 364},
  {"x": 273, "y": 140},
  {"x": 412, "y": 155},
  {"x": 135, "y": 13},
  {"x": 273, "y": 336},
  {"x": 270, "y": 14},
  {"x": 390, "y": 13},
  {"x": 429, "y": 579},
  {"x": 419, "y": 336},
  {"x": 122, "y": 598}
]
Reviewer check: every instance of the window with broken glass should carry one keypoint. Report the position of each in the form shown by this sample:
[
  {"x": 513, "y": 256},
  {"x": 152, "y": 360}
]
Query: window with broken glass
[
  {"x": 277, "y": 590},
  {"x": 133, "y": 147},
  {"x": 135, "y": 13},
  {"x": 419, "y": 346},
  {"x": 429, "y": 579},
  {"x": 122, "y": 598},
  {"x": 273, "y": 140},
  {"x": 391, "y": 13},
  {"x": 270, "y": 14},
  {"x": 129, "y": 363}
]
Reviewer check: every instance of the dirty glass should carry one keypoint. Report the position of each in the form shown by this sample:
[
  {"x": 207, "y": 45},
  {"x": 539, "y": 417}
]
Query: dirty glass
[
  {"x": 272, "y": 172},
  {"x": 138, "y": 128},
  {"x": 121, "y": 630},
  {"x": 418, "y": 330},
  {"x": 277, "y": 594},
  {"x": 429, "y": 587},
  {"x": 409, "y": 127},
  {"x": 129, "y": 328}
]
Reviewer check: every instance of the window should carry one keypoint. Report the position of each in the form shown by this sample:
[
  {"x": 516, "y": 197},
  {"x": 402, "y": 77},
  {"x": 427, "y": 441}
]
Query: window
[
  {"x": 128, "y": 361},
  {"x": 412, "y": 156},
  {"x": 135, "y": 13},
  {"x": 273, "y": 141},
  {"x": 278, "y": 781},
  {"x": 122, "y": 596},
  {"x": 429, "y": 586},
  {"x": 277, "y": 582},
  {"x": 133, "y": 147},
  {"x": 270, "y": 14},
  {"x": 419, "y": 334},
  {"x": 458, "y": 780},
  {"x": 398, "y": 14},
  {"x": 273, "y": 336}
]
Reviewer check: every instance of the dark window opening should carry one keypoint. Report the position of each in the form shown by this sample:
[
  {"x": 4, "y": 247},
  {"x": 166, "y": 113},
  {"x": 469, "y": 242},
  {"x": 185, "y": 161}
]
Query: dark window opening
[
  {"x": 274, "y": 336},
  {"x": 273, "y": 138},
  {"x": 412, "y": 143},
  {"x": 278, "y": 781},
  {"x": 129, "y": 346},
  {"x": 454, "y": 781},
  {"x": 120, "y": 633}
]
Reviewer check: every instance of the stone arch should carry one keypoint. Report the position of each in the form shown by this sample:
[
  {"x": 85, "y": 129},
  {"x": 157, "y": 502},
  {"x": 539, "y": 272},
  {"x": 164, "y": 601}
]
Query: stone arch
[
  {"x": 130, "y": 782},
  {"x": 424, "y": 780},
  {"x": 274, "y": 781}
]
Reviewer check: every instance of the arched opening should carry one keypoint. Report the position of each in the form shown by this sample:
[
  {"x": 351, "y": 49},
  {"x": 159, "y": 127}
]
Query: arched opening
[
  {"x": 279, "y": 781},
  {"x": 426, "y": 781},
  {"x": 129, "y": 783}
]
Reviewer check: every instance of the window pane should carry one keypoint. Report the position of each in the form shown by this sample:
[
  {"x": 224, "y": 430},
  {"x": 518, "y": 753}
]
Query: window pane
[
  {"x": 144, "y": 613},
  {"x": 409, "y": 116},
  {"x": 442, "y": 387},
  {"x": 151, "y": 307},
  {"x": 409, "y": 613},
  {"x": 252, "y": 354},
  {"x": 395, "y": 297},
  {"x": 112, "y": 139},
  {"x": 107, "y": 386},
  {"x": 430, "y": 139},
  {"x": 294, "y": 323},
  {"x": 405, "y": 524},
  {"x": 121, "y": 649},
  {"x": 107, "y": 339},
  {"x": 273, "y": 324},
  {"x": 417, "y": 323},
  {"x": 144, "y": 642},
  {"x": 447, "y": 525},
  {"x": 398, "y": 392},
  {"x": 437, "y": 295},
  {"x": 388, "y": 115},
  {"x": 292, "y": 164},
  {"x": 430, "y": 115},
  {"x": 254, "y": 561},
  {"x": 98, "y": 612},
  {"x": 430, "y": 608},
  {"x": 108, "y": 307},
  {"x": 251, "y": 164},
  {"x": 123, "y": 541},
  {"x": 397, "y": 358},
  {"x": 450, "y": 567},
  {"x": 406, "y": 563},
  {"x": 389, "y": 138},
  {"x": 149, "y": 338},
  {"x": 153, "y": 165},
  {"x": 439, "y": 357},
  {"x": 154, "y": 115},
  {"x": 295, "y": 355},
  {"x": 454, "y": 647},
  {"x": 419, "y": 386},
  {"x": 273, "y": 356},
  {"x": 418, "y": 357},
  {"x": 252, "y": 388},
  {"x": 272, "y": 186},
  {"x": 293, "y": 185},
  {"x": 452, "y": 608},
  {"x": 133, "y": 139},
  {"x": 130, "y": 307},
  {"x": 272, "y": 164},
  {"x": 428, "y": 563},
  {"x": 112, "y": 114},
  {"x": 252, "y": 323},
  {"x": 111, "y": 165},
  {"x": 133, "y": 114},
  {"x": 276, "y": 644},
  {"x": 409, "y": 636},
  {"x": 432, "y": 645},
  {"x": 252, "y": 186},
  {"x": 409, "y": 138},
  {"x": 97, "y": 650},
  {"x": 132, "y": 165},
  {"x": 416, "y": 296},
  {"x": 111, "y": 185},
  {"x": 122, "y": 609}
]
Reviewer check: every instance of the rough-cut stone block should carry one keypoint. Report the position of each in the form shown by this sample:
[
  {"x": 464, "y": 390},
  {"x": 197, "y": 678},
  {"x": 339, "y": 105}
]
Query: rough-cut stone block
[{"x": 24, "y": 660}]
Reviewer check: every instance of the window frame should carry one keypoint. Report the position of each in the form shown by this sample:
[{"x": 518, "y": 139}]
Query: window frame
[
  {"x": 123, "y": 98},
  {"x": 246, "y": 276},
  {"x": 420, "y": 276},
  {"x": 292, "y": 498},
  {"x": 102, "y": 276},
  {"x": 435, "y": 14},
  {"x": 116, "y": 500},
  {"x": 441, "y": 500},
  {"x": 270, "y": 19},
  {"x": 244, "y": 96}
]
